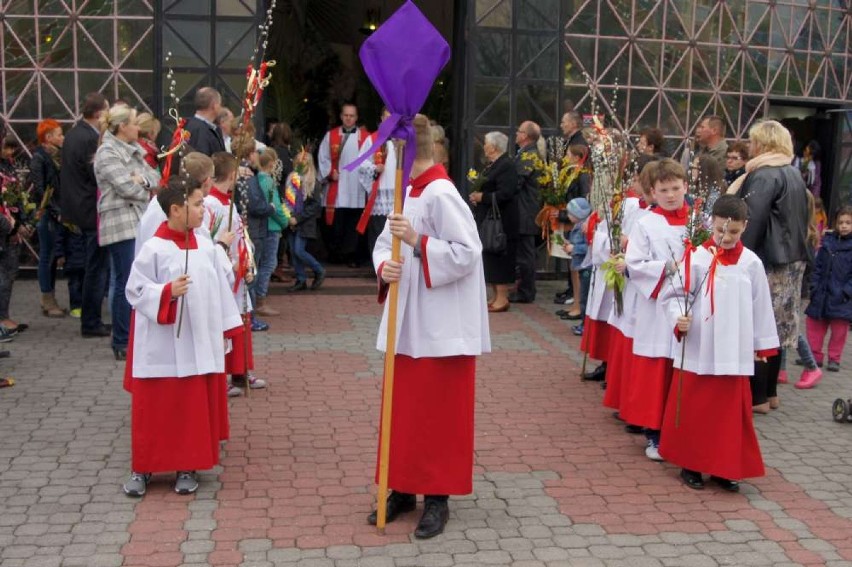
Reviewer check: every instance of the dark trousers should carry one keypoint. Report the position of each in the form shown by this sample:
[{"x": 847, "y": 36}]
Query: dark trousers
[
  {"x": 764, "y": 383},
  {"x": 122, "y": 260},
  {"x": 585, "y": 284},
  {"x": 94, "y": 282},
  {"x": 8, "y": 273},
  {"x": 346, "y": 242},
  {"x": 48, "y": 230},
  {"x": 525, "y": 258}
]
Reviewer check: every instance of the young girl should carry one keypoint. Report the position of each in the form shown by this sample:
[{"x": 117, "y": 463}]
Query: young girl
[
  {"x": 304, "y": 211},
  {"x": 831, "y": 294}
]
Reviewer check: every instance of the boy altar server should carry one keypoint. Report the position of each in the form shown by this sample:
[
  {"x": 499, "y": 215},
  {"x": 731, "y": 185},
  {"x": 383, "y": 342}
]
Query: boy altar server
[
  {"x": 655, "y": 247},
  {"x": 708, "y": 424},
  {"x": 442, "y": 326},
  {"x": 179, "y": 402}
]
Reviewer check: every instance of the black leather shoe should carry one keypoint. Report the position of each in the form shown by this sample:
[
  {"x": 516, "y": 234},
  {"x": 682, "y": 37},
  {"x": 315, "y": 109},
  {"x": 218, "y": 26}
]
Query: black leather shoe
[
  {"x": 725, "y": 484},
  {"x": 120, "y": 353},
  {"x": 692, "y": 479},
  {"x": 318, "y": 279},
  {"x": 102, "y": 331},
  {"x": 596, "y": 375},
  {"x": 569, "y": 317},
  {"x": 298, "y": 286},
  {"x": 634, "y": 429},
  {"x": 5, "y": 354},
  {"x": 398, "y": 503},
  {"x": 515, "y": 298},
  {"x": 434, "y": 519}
]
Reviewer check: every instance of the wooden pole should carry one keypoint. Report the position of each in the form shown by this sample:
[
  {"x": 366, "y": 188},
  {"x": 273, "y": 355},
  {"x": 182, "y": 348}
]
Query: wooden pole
[{"x": 390, "y": 352}]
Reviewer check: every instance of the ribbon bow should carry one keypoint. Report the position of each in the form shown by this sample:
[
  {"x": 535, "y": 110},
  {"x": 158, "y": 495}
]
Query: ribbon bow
[
  {"x": 688, "y": 249},
  {"x": 178, "y": 139},
  {"x": 711, "y": 278},
  {"x": 258, "y": 80}
]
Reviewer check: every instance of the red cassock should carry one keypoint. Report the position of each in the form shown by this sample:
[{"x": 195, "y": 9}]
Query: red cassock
[
  {"x": 431, "y": 444},
  {"x": 236, "y": 362},
  {"x": 644, "y": 392},
  {"x": 596, "y": 337},
  {"x": 715, "y": 434},
  {"x": 618, "y": 369}
]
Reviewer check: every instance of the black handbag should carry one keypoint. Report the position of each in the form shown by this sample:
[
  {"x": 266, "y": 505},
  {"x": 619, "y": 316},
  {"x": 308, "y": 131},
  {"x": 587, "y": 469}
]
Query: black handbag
[{"x": 491, "y": 231}]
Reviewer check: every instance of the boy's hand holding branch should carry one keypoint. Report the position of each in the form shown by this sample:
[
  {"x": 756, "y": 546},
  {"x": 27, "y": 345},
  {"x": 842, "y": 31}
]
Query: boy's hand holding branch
[
  {"x": 180, "y": 285},
  {"x": 683, "y": 323}
]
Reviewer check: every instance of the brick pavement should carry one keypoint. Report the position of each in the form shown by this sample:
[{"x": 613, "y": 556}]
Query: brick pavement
[{"x": 557, "y": 482}]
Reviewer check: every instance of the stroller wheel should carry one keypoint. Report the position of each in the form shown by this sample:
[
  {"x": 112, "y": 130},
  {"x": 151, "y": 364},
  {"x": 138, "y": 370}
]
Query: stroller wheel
[{"x": 840, "y": 410}]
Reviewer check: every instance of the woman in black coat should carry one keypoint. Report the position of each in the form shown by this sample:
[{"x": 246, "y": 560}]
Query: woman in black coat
[{"x": 500, "y": 188}]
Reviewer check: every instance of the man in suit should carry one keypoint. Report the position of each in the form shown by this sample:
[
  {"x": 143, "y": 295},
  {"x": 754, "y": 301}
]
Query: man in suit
[
  {"x": 529, "y": 204},
  {"x": 205, "y": 136},
  {"x": 78, "y": 201}
]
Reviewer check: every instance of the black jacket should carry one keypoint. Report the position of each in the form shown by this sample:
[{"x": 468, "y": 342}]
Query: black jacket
[
  {"x": 777, "y": 228},
  {"x": 78, "y": 198},
  {"x": 831, "y": 281},
  {"x": 501, "y": 183},
  {"x": 529, "y": 197},
  {"x": 44, "y": 174},
  {"x": 306, "y": 220},
  {"x": 203, "y": 137}
]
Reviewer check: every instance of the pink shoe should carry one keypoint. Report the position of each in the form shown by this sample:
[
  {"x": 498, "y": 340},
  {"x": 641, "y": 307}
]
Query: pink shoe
[
  {"x": 782, "y": 377},
  {"x": 809, "y": 379}
]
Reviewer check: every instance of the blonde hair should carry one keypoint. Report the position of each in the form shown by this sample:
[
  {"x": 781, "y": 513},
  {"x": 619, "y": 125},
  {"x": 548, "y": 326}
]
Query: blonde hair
[
  {"x": 309, "y": 175},
  {"x": 148, "y": 125},
  {"x": 199, "y": 166},
  {"x": 119, "y": 114},
  {"x": 771, "y": 136},
  {"x": 267, "y": 158}
]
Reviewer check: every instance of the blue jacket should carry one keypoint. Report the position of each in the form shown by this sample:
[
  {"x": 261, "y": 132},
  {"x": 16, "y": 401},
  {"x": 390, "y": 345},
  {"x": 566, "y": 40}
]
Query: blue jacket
[
  {"x": 831, "y": 281},
  {"x": 577, "y": 237}
]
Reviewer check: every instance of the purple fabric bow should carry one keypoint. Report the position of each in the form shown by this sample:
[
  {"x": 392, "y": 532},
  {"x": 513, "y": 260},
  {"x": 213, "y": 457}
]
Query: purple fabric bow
[{"x": 402, "y": 59}]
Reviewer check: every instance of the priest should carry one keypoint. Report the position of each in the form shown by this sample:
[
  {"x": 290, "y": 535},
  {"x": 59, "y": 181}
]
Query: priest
[
  {"x": 345, "y": 196},
  {"x": 442, "y": 326}
]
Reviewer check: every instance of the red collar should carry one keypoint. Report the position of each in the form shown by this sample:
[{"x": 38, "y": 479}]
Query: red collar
[
  {"x": 434, "y": 173},
  {"x": 674, "y": 218},
  {"x": 219, "y": 196},
  {"x": 177, "y": 237},
  {"x": 727, "y": 257}
]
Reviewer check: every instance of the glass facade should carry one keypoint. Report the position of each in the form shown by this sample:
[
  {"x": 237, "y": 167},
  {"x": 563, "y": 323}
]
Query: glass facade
[
  {"x": 670, "y": 61},
  {"x": 55, "y": 51}
]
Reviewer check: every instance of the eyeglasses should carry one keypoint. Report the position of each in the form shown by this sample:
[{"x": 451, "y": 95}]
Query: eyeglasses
[{"x": 734, "y": 157}]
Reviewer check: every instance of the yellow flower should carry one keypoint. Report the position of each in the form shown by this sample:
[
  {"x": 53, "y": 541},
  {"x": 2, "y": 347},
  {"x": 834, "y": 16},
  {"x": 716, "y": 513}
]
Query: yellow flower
[{"x": 472, "y": 175}]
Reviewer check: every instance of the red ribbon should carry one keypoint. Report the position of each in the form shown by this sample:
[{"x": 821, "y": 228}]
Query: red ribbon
[
  {"x": 242, "y": 263},
  {"x": 592, "y": 226},
  {"x": 711, "y": 276},
  {"x": 688, "y": 249},
  {"x": 178, "y": 138}
]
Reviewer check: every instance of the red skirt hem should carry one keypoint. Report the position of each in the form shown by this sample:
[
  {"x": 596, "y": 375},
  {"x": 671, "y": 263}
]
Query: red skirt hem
[
  {"x": 235, "y": 361},
  {"x": 715, "y": 433},
  {"x": 177, "y": 423},
  {"x": 431, "y": 442},
  {"x": 617, "y": 366},
  {"x": 644, "y": 392},
  {"x": 596, "y": 337}
]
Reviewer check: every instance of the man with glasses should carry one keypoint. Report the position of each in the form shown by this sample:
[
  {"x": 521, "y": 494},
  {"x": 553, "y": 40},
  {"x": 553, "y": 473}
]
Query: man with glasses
[{"x": 735, "y": 160}]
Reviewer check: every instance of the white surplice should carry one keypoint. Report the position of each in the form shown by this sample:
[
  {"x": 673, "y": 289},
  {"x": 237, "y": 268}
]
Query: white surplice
[
  {"x": 350, "y": 192},
  {"x": 216, "y": 215},
  {"x": 742, "y": 322},
  {"x": 442, "y": 308},
  {"x": 209, "y": 310}
]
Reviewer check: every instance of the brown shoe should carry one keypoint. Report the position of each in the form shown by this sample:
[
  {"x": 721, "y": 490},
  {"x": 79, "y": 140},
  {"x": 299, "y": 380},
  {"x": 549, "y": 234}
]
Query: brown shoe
[
  {"x": 263, "y": 309},
  {"x": 50, "y": 308}
]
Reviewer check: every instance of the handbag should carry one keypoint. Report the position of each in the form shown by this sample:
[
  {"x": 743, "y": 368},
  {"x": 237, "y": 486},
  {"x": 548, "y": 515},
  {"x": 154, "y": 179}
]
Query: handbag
[{"x": 491, "y": 231}]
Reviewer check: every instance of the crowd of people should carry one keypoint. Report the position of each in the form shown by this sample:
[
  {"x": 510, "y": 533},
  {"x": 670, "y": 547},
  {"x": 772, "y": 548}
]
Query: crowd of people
[{"x": 163, "y": 235}]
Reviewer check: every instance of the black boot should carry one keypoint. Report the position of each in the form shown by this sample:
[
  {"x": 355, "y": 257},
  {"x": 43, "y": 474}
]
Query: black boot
[
  {"x": 398, "y": 503},
  {"x": 596, "y": 375},
  {"x": 436, "y": 512}
]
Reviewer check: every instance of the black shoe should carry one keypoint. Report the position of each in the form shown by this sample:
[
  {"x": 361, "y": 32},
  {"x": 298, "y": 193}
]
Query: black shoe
[
  {"x": 398, "y": 503},
  {"x": 298, "y": 286},
  {"x": 120, "y": 353},
  {"x": 102, "y": 331},
  {"x": 725, "y": 484},
  {"x": 692, "y": 479},
  {"x": 434, "y": 519},
  {"x": 5, "y": 354},
  {"x": 318, "y": 279},
  {"x": 561, "y": 312},
  {"x": 634, "y": 429},
  {"x": 603, "y": 385},
  {"x": 596, "y": 375},
  {"x": 515, "y": 298},
  {"x": 569, "y": 317}
]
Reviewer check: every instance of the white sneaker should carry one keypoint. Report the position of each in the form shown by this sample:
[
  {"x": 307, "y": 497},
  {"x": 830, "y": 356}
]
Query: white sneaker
[
  {"x": 256, "y": 383},
  {"x": 234, "y": 392},
  {"x": 652, "y": 451}
]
